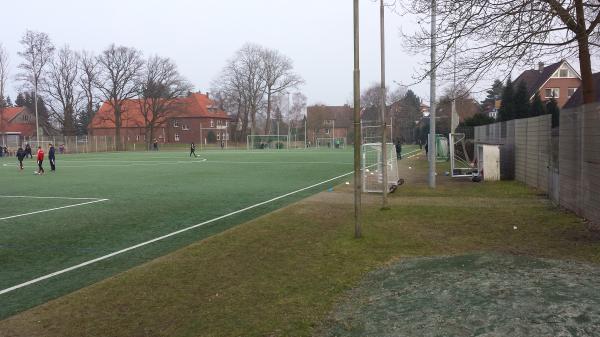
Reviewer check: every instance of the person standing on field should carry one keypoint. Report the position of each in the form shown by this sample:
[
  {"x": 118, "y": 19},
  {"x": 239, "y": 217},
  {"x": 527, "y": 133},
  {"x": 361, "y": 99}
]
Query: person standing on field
[
  {"x": 52, "y": 158},
  {"x": 20, "y": 157},
  {"x": 40, "y": 160},
  {"x": 193, "y": 150},
  {"x": 28, "y": 151}
]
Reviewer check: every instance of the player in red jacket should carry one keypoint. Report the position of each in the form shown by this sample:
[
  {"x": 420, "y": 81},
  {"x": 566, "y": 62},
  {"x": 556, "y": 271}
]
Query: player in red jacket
[{"x": 40, "y": 160}]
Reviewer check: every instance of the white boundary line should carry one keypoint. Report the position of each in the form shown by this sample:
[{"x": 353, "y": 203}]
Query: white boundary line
[
  {"x": 52, "y": 209},
  {"x": 34, "y": 197},
  {"x": 145, "y": 243},
  {"x": 410, "y": 154}
]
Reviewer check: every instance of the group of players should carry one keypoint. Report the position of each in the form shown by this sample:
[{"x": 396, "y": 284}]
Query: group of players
[{"x": 23, "y": 153}]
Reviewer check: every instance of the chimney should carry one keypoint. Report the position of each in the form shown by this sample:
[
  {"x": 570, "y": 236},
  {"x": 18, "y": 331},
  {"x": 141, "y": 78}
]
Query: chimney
[
  {"x": 208, "y": 95},
  {"x": 541, "y": 66}
]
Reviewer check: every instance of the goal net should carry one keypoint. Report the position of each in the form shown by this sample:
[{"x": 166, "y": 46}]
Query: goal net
[
  {"x": 266, "y": 142},
  {"x": 372, "y": 167},
  {"x": 460, "y": 160},
  {"x": 371, "y": 132},
  {"x": 331, "y": 143}
]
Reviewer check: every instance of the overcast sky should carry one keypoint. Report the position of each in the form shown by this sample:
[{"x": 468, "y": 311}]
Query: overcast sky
[{"x": 201, "y": 35}]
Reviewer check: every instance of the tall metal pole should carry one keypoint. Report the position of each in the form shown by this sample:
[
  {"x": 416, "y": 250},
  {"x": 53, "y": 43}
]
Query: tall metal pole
[
  {"x": 357, "y": 171},
  {"x": 37, "y": 123},
  {"x": 431, "y": 146},
  {"x": 384, "y": 203}
]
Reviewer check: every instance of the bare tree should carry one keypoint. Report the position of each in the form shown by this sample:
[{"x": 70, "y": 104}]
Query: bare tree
[
  {"x": 500, "y": 35},
  {"x": 37, "y": 52},
  {"x": 278, "y": 77},
  {"x": 298, "y": 107},
  {"x": 4, "y": 63},
  {"x": 242, "y": 82},
  {"x": 160, "y": 89},
  {"x": 61, "y": 89},
  {"x": 119, "y": 69},
  {"x": 88, "y": 77}
]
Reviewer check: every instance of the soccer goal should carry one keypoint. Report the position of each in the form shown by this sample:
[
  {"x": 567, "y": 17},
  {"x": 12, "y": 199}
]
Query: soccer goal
[
  {"x": 266, "y": 142},
  {"x": 372, "y": 168},
  {"x": 460, "y": 160},
  {"x": 331, "y": 143},
  {"x": 371, "y": 132}
]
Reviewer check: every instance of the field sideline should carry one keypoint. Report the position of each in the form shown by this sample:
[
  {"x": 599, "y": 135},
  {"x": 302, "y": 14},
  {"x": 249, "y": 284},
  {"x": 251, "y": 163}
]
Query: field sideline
[{"x": 104, "y": 213}]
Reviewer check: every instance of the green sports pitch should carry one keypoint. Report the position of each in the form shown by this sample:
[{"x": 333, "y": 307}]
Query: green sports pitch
[{"x": 103, "y": 213}]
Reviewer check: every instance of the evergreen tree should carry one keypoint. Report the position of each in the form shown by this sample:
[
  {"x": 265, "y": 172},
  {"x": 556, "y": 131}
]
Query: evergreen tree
[
  {"x": 507, "y": 107},
  {"x": 478, "y": 119},
  {"x": 495, "y": 91},
  {"x": 537, "y": 106},
  {"x": 8, "y": 101},
  {"x": 20, "y": 101},
  {"x": 522, "y": 106},
  {"x": 553, "y": 109},
  {"x": 3, "y": 103}
]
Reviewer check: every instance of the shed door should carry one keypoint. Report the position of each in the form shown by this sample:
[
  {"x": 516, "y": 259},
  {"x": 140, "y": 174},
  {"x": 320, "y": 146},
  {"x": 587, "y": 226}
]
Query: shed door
[{"x": 491, "y": 162}]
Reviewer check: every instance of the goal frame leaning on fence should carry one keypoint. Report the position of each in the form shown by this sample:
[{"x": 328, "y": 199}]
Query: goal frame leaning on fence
[{"x": 372, "y": 170}]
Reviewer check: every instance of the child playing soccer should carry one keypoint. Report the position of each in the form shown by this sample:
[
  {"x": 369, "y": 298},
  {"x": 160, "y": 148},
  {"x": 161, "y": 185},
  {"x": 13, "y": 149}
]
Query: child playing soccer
[
  {"x": 193, "y": 150},
  {"x": 40, "y": 160},
  {"x": 20, "y": 157}
]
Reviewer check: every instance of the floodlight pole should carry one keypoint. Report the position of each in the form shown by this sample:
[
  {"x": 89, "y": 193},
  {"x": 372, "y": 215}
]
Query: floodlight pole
[
  {"x": 357, "y": 170},
  {"x": 431, "y": 146},
  {"x": 384, "y": 203}
]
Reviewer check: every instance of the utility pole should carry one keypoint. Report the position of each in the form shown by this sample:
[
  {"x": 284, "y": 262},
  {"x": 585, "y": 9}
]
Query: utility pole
[
  {"x": 357, "y": 171},
  {"x": 384, "y": 164},
  {"x": 431, "y": 146}
]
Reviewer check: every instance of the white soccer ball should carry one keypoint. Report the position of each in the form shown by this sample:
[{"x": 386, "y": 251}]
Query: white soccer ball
[{"x": 347, "y": 183}]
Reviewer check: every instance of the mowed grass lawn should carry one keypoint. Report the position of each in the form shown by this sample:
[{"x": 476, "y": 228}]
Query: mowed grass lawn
[
  {"x": 281, "y": 274},
  {"x": 149, "y": 194}
]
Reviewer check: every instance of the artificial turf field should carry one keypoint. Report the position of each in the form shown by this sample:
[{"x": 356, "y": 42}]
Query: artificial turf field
[{"x": 99, "y": 204}]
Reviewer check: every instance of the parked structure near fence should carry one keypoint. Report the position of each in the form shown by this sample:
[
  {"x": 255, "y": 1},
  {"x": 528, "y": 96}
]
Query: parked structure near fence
[{"x": 564, "y": 163}]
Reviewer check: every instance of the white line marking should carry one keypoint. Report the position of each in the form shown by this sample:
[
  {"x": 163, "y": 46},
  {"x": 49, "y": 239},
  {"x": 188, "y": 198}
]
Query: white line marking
[
  {"x": 34, "y": 197},
  {"x": 86, "y": 263},
  {"x": 53, "y": 209}
]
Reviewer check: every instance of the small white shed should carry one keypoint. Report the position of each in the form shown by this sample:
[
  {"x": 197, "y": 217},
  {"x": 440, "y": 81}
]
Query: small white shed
[{"x": 488, "y": 161}]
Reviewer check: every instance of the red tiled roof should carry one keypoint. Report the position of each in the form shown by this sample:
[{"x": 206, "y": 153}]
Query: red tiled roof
[
  {"x": 9, "y": 113},
  {"x": 194, "y": 106},
  {"x": 7, "y": 125},
  {"x": 341, "y": 114}
]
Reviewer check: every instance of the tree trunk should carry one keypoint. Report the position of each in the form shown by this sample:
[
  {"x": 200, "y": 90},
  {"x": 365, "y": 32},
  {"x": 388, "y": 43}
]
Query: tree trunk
[
  {"x": 118, "y": 127},
  {"x": 585, "y": 64},
  {"x": 268, "y": 124}
]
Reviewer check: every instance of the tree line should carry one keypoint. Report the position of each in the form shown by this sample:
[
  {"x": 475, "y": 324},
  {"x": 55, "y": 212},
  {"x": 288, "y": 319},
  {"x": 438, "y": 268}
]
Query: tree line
[
  {"x": 65, "y": 87},
  {"x": 248, "y": 84}
]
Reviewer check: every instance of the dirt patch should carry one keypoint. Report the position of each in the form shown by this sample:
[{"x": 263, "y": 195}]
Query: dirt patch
[{"x": 473, "y": 295}]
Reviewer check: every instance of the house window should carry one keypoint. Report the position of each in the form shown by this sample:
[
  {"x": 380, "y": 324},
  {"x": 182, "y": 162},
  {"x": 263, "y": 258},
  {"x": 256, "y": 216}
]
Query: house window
[
  {"x": 175, "y": 124},
  {"x": 328, "y": 122},
  {"x": 564, "y": 72},
  {"x": 137, "y": 138},
  {"x": 176, "y": 137},
  {"x": 572, "y": 91},
  {"x": 218, "y": 136},
  {"x": 327, "y": 131},
  {"x": 185, "y": 127},
  {"x": 212, "y": 123},
  {"x": 552, "y": 92}
]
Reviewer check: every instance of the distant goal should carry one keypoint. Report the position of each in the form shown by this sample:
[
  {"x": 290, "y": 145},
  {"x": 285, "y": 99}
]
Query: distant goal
[
  {"x": 268, "y": 142},
  {"x": 331, "y": 143},
  {"x": 372, "y": 168}
]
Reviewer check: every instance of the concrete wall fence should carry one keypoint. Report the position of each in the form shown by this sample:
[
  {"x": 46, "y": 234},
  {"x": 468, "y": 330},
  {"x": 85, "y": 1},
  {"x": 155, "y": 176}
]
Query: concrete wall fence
[{"x": 563, "y": 163}]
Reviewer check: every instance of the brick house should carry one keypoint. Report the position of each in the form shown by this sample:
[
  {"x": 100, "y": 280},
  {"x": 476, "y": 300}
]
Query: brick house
[
  {"x": 194, "y": 120},
  {"x": 558, "y": 80},
  {"x": 328, "y": 122},
  {"x": 16, "y": 123}
]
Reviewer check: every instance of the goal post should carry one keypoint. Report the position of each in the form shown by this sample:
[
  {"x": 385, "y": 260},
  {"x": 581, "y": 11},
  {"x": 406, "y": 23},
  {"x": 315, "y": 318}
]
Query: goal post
[
  {"x": 372, "y": 168},
  {"x": 371, "y": 132},
  {"x": 460, "y": 160},
  {"x": 268, "y": 142},
  {"x": 331, "y": 143}
]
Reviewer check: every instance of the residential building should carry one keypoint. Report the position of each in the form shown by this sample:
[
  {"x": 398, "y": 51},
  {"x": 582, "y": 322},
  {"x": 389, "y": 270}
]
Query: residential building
[
  {"x": 329, "y": 122},
  {"x": 558, "y": 80},
  {"x": 576, "y": 99},
  {"x": 16, "y": 124},
  {"x": 196, "y": 119}
]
